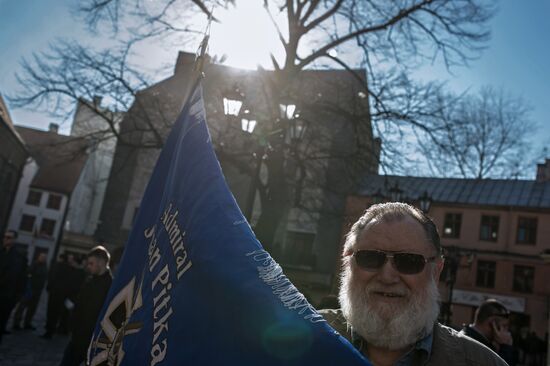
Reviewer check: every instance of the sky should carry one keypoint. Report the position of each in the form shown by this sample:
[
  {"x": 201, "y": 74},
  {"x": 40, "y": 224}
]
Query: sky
[{"x": 516, "y": 58}]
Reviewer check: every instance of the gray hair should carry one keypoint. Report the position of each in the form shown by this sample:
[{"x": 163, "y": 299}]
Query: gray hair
[{"x": 389, "y": 212}]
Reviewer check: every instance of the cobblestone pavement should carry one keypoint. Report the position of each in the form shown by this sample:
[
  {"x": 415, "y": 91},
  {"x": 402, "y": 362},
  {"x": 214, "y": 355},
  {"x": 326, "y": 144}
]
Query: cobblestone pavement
[{"x": 26, "y": 348}]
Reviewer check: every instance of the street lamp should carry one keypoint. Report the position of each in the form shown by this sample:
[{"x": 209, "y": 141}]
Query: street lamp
[
  {"x": 273, "y": 147},
  {"x": 545, "y": 256},
  {"x": 296, "y": 129},
  {"x": 248, "y": 125},
  {"x": 378, "y": 197},
  {"x": 287, "y": 111},
  {"x": 452, "y": 263},
  {"x": 248, "y": 122},
  {"x": 425, "y": 202},
  {"x": 232, "y": 102},
  {"x": 396, "y": 193}
]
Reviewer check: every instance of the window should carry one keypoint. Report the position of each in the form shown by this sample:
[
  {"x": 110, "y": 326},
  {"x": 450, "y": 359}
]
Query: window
[
  {"x": 486, "y": 274},
  {"x": 299, "y": 249},
  {"x": 34, "y": 197},
  {"x": 489, "y": 228},
  {"x": 451, "y": 227},
  {"x": 527, "y": 230},
  {"x": 27, "y": 223},
  {"x": 54, "y": 201},
  {"x": 47, "y": 228},
  {"x": 523, "y": 278}
]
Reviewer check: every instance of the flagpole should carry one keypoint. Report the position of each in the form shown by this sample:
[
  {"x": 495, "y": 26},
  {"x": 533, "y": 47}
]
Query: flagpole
[{"x": 198, "y": 68}]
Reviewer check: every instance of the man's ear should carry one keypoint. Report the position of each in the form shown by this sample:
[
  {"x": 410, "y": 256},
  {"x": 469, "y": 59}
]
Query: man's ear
[{"x": 438, "y": 268}]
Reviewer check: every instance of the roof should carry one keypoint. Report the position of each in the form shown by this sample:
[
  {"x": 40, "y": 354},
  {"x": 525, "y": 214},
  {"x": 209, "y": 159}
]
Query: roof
[
  {"x": 486, "y": 192},
  {"x": 6, "y": 119},
  {"x": 60, "y": 159}
]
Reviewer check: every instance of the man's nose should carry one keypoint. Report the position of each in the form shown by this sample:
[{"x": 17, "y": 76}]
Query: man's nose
[{"x": 388, "y": 273}]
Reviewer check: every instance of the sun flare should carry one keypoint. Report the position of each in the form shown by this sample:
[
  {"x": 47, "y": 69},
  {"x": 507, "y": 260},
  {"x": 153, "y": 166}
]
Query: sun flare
[{"x": 245, "y": 35}]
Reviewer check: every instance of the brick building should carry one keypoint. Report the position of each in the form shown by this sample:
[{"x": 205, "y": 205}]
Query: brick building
[
  {"x": 495, "y": 233},
  {"x": 89, "y": 192},
  {"x": 330, "y": 101}
]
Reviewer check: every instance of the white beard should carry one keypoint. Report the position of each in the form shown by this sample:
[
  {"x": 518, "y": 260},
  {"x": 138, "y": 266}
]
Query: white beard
[{"x": 388, "y": 326}]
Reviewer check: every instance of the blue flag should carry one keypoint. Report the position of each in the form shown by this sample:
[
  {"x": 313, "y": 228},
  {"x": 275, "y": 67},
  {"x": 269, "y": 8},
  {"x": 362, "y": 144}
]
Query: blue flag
[{"x": 194, "y": 286}]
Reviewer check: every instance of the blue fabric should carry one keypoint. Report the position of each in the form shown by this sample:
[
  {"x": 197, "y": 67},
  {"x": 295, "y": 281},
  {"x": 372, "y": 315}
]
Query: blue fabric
[{"x": 194, "y": 286}]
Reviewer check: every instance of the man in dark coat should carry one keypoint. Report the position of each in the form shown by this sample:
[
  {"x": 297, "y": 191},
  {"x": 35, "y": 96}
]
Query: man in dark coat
[
  {"x": 64, "y": 283},
  {"x": 36, "y": 279},
  {"x": 77, "y": 276},
  {"x": 490, "y": 328},
  {"x": 13, "y": 273},
  {"x": 88, "y": 305},
  {"x": 57, "y": 288}
]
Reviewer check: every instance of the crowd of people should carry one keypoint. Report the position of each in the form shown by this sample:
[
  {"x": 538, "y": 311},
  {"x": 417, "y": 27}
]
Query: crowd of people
[
  {"x": 388, "y": 305},
  {"x": 76, "y": 289}
]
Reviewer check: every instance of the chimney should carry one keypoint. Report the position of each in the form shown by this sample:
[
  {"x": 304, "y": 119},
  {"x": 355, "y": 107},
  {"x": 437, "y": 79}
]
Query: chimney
[
  {"x": 185, "y": 62},
  {"x": 54, "y": 127},
  {"x": 543, "y": 171},
  {"x": 97, "y": 100}
]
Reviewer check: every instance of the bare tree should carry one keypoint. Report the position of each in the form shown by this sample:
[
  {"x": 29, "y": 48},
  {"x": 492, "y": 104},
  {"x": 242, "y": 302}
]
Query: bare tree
[
  {"x": 387, "y": 37},
  {"x": 484, "y": 135}
]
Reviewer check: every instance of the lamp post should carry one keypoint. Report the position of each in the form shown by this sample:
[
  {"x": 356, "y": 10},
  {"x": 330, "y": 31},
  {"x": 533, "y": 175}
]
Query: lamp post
[
  {"x": 425, "y": 202},
  {"x": 396, "y": 194},
  {"x": 248, "y": 122},
  {"x": 378, "y": 197},
  {"x": 287, "y": 110},
  {"x": 271, "y": 146},
  {"x": 452, "y": 261},
  {"x": 232, "y": 105},
  {"x": 545, "y": 256},
  {"x": 232, "y": 102},
  {"x": 296, "y": 129}
]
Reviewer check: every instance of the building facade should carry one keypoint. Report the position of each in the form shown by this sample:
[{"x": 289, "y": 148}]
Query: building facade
[
  {"x": 88, "y": 194},
  {"x": 495, "y": 234},
  {"x": 44, "y": 192},
  {"x": 330, "y": 101},
  {"x": 13, "y": 156}
]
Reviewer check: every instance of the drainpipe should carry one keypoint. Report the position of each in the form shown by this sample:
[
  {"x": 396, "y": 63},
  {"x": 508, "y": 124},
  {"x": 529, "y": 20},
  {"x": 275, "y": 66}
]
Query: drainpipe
[
  {"x": 12, "y": 198},
  {"x": 60, "y": 233}
]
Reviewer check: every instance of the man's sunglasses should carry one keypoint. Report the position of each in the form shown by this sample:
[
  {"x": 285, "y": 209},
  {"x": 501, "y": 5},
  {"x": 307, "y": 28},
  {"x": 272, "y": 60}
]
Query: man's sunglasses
[{"x": 404, "y": 263}]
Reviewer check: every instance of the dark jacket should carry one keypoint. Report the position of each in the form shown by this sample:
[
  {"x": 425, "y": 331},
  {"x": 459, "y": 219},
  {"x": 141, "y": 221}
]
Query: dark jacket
[
  {"x": 58, "y": 278},
  {"x": 505, "y": 351},
  {"x": 65, "y": 280},
  {"x": 75, "y": 282},
  {"x": 13, "y": 274},
  {"x": 449, "y": 347},
  {"x": 38, "y": 273},
  {"x": 87, "y": 308}
]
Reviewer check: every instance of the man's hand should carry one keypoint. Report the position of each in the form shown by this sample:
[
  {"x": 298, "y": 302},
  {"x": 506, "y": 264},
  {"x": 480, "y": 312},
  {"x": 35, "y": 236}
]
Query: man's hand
[{"x": 502, "y": 335}]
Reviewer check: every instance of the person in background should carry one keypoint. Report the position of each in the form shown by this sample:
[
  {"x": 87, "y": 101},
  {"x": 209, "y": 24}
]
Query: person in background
[
  {"x": 36, "y": 279},
  {"x": 13, "y": 275},
  {"x": 88, "y": 305},
  {"x": 58, "y": 286},
  {"x": 77, "y": 276},
  {"x": 490, "y": 328}
]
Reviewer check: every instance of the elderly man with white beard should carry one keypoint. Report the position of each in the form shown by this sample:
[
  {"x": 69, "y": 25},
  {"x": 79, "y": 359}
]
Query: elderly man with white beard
[{"x": 389, "y": 299}]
